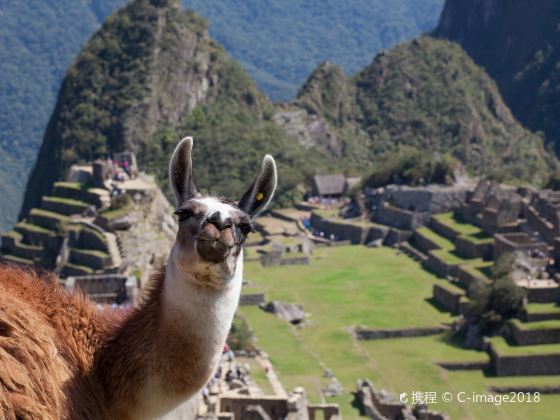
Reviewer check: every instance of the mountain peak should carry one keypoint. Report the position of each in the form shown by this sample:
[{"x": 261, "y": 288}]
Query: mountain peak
[{"x": 176, "y": 4}]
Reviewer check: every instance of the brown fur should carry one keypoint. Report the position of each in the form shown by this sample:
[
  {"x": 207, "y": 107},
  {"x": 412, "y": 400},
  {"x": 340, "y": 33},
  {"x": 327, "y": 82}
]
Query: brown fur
[{"x": 62, "y": 358}]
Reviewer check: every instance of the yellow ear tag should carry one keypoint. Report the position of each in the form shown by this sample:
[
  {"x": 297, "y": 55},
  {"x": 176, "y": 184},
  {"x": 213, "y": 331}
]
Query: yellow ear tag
[{"x": 259, "y": 196}]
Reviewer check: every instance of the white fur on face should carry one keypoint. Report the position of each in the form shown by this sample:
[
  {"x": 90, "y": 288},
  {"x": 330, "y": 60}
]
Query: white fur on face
[
  {"x": 214, "y": 205},
  {"x": 185, "y": 254}
]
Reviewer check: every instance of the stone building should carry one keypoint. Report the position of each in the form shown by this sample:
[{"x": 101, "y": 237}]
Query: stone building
[
  {"x": 519, "y": 242},
  {"x": 328, "y": 186},
  {"x": 105, "y": 288},
  {"x": 380, "y": 404},
  {"x": 407, "y": 208},
  {"x": 333, "y": 186},
  {"x": 494, "y": 207},
  {"x": 429, "y": 199},
  {"x": 542, "y": 214},
  {"x": 271, "y": 407},
  {"x": 501, "y": 214}
]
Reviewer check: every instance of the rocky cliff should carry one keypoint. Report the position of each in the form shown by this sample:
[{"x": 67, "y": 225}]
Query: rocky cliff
[
  {"x": 516, "y": 41},
  {"x": 152, "y": 75},
  {"x": 426, "y": 94},
  {"x": 39, "y": 38},
  {"x": 149, "y": 76}
]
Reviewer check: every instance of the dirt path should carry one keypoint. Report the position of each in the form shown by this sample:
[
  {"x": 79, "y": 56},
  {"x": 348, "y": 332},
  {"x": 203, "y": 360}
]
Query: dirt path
[{"x": 275, "y": 383}]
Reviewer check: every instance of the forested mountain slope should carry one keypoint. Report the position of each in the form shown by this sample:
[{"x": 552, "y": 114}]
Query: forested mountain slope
[{"x": 518, "y": 43}]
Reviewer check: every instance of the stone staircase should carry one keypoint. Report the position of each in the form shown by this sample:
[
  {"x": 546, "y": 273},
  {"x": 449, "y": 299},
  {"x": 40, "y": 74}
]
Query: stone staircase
[
  {"x": 104, "y": 196},
  {"x": 43, "y": 238},
  {"x": 114, "y": 251},
  {"x": 412, "y": 252}
]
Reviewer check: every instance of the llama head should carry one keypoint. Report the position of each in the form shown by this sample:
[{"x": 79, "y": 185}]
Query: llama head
[{"x": 212, "y": 229}]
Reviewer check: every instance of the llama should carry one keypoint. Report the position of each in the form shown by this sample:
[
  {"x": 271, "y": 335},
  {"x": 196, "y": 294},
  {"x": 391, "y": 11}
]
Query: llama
[{"x": 62, "y": 358}]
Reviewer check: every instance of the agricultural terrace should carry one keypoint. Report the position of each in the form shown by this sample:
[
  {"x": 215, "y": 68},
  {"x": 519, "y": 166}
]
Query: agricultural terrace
[{"x": 376, "y": 288}]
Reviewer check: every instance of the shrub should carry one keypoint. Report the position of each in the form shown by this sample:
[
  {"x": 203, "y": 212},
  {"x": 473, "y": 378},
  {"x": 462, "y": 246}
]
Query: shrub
[
  {"x": 240, "y": 335},
  {"x": 120, "y": 202},
  {"x": 491, "y": 305},
  {"x": 412, "y": 167}
]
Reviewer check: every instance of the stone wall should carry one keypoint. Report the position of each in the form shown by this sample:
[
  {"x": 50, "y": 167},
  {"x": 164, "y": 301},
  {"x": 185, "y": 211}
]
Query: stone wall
[
  {"x": 382, "y": 405},
  {"x": 70, "y": 270},
  {"x": 345, "y": 231},
  {"x": 49, "y": 240},
  {"x": 94, "y": 261},
  {"x": 105, "y": 288},
  {"x": 359, "y": 234},
  {"x": 543, "y": 294},
  {"x": 470, "y": 249},
  {"x": 543, "y": 389},
  {"x": 541, "y": 364},
  {"x": 527, "y": 337},
  {"x": 287, "y": 260},
  {"x": 279, "y": 258},
  {"x": 12, "y": 245},
  {"x": 468, "y": 214},
  {"x": 275, "y": 407},
  {"x": 251, "y": 299},
  {"x": 78, "y": 194},
  {"x": 399, "y": 218},
  {"x": 542, "y": 316},
  {"x": 425, "y": 199},
  {"x": 396, "y": 236},
  {"x": 64, "y": 207},
  {"x": 517, "y": 242},
  {"x": 88, "y": 236},
  {"x": 323, "y": 411},
  {"x": 439, "y": 267},
  {"x": 464, "y": 365},
  {"x": 376, "y": 334},
  {"x": 448, "y": 298},
  {"x": 466, "y": 278},
  {"x": 294, "y": 406},
  {"x": 539, "y": 224},
  {"x": 423, "y": 243},
  {"x": 376, "y": 407},
  {"x": 442, "y": 229},
  {"x": 46, "y": 221}
]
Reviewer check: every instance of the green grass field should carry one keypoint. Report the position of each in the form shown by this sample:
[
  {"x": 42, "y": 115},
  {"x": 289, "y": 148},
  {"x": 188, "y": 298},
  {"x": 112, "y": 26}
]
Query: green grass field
[
  {"x": 450, "y": 257},
  {"x": 439, "y": 240},
  {"x": 69, "y": 201},
  {"x": 377, "y": 288},
  {"x": 458, "y": 226},
  {"x": 552, "y": 324},
  {"x": 540, "y": 308},
  {"x": 257, "y": 373},
  {"x": 466, "y": 230},
  {"x": 332, "y": 215},
  {"x": 503, "y": 348},
  {"x": 112, "y": 214},
  {"x": 453, "y": 288}
]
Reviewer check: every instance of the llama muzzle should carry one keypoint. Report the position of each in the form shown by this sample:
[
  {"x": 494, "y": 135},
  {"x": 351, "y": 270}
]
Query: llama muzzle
[{"x": 214, "y": 245}]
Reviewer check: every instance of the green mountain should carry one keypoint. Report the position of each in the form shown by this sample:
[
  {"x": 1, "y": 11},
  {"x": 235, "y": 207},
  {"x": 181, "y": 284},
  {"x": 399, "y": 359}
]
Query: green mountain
[
  {"x": 426, "y": 94},
  {"x": 149, "y": 76},
  {"x": 280, "y": 42},
  {"x": 516, "y": 41},
  {"x": 152, "y": 74},
  {"x": 39, "y": 38}
]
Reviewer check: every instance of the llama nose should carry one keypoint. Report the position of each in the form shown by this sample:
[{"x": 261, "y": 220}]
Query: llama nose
[{"x": 216, "y": 220}]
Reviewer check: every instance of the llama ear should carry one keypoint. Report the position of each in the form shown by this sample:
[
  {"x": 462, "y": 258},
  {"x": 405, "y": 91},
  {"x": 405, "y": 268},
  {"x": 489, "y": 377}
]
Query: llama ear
[
  {"x": 261, "y": 190},
  {"x": 180, "y": 172}
]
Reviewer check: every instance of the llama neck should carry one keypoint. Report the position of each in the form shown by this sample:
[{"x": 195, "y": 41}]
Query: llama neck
[{"x": 178, "y": 337}]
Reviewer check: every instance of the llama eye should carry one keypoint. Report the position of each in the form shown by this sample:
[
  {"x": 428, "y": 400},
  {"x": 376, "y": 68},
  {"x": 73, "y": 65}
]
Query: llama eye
[
  {"x": 246, "y": 228},
  {"x": 184, "y": 214}
]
